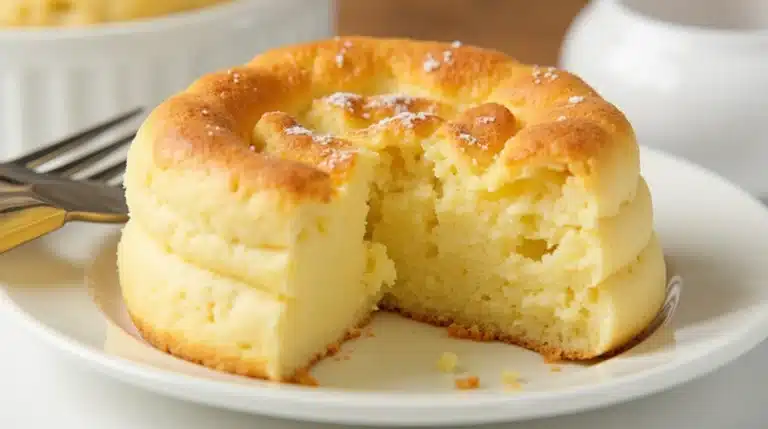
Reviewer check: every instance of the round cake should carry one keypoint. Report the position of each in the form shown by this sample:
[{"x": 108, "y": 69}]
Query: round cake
[{"x": 275, "y": 206}]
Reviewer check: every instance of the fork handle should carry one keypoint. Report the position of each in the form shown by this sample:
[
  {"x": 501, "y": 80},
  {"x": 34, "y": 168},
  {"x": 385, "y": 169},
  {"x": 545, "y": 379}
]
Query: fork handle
[{"x": 24, "y": 218}]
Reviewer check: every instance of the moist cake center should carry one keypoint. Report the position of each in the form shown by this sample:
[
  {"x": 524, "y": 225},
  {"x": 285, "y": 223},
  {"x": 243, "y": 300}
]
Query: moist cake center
[{"x": 497, "y": 253}]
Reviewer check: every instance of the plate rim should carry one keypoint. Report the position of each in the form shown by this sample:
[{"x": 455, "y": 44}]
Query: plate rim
[{"x": 423, "y": 409}]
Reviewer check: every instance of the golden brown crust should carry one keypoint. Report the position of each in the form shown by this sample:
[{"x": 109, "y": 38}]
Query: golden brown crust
[
  {"x": 283, "y": 136},
  {"x": 542, "y": 114},
  {"x": 548, "y": 352},
  {"x": 200, "y": 354},
  {"x": 481, "y": 132},
  {"x": 222, "y": 360}
]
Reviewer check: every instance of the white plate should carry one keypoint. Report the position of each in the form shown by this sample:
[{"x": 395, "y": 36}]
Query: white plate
[{"x": 713, "y": 235}]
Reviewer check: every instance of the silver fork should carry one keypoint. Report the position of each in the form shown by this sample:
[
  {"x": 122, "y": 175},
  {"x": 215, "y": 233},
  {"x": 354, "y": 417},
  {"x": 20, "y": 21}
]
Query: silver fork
[{"x": 35, "y": 201}]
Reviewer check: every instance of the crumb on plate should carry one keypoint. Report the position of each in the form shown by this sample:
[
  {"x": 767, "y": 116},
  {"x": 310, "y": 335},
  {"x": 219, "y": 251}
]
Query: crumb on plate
[
  {"x": 304, "y": 378},
  {"x": 448, "y": 362},
  {"x": 467, "y": 383},
  {"x": 511, "y": 379}
]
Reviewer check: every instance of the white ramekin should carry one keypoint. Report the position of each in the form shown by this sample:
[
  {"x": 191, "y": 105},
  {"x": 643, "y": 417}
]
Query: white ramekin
[{"x": 55, "y": 81}]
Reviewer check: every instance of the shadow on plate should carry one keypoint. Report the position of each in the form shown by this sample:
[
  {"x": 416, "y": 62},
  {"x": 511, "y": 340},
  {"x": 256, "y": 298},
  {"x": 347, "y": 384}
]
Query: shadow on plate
[{"x": 34, "y": 264}]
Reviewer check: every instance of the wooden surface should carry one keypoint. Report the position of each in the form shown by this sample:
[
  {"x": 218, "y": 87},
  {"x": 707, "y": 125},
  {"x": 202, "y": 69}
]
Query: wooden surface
[{"x": 530, "y": 30}]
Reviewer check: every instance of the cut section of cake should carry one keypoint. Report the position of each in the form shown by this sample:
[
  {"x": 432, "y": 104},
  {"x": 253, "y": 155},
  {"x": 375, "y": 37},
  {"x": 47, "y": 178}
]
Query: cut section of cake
[{"x": 277, "y": 205}]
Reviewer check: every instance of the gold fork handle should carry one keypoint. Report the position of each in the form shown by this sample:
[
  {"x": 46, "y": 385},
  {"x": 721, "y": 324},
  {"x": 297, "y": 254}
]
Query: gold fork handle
[
  {"x": 27, "y": 224},
  {"x": 24, "y": 217}
]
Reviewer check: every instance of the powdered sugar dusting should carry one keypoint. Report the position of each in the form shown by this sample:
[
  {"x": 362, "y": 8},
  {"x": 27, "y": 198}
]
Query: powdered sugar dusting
[
  {"x": 448, "y": 57},
  {"x": 213, "y": 129},
  {"x": 344, "y": 100},
  {"x": 334, "y": 159},
  {"x": 575, "y": 99},
  {"x": 430, "y": 64},
  {"x": 486, "y": 119},
  {"x": 561, "y": 118},
  {"x": 467, "y": 137},
  {"x": 400, "y": 102},
  {"x": 323, "y": 139},
  {"x": 298, "y": 130},
  {"x": 340, "y": 55},
  {"x": 549, "y": 74},
  {"x": 408, "y": 119}
]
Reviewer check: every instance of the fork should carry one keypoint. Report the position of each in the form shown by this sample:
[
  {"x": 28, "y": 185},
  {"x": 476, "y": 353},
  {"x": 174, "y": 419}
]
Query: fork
[{"x": 35, "y": 201}]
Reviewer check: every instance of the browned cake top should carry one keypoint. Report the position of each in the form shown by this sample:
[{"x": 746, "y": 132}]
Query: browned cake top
[{"x": 289, "y": 119}]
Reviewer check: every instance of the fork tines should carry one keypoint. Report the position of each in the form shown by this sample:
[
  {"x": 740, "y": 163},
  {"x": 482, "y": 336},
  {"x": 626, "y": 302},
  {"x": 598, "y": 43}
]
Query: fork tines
[{"x": 81, "y": 162}]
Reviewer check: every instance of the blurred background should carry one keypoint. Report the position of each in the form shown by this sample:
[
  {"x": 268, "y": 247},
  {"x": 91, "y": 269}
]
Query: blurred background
[
  {"x": 661, "y": 62},
  {"x": 531, "y": 31}
]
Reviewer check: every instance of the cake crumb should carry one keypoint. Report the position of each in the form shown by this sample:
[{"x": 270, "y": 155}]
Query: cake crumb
[
  {"x": 448, "y": 362},
  {"x": 467, "y": 383},
  {"x": 333, "y": 349},
  {"x": 304, "y": 378},
  {"x": 354, "y": 333},
  {"x": 511, "y": 380},
  {"x": 555, "y": 368}
]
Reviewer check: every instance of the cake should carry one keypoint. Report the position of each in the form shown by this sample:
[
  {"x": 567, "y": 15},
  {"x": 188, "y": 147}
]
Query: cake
[
  {"x": 67, "y": 13},
  {"x": 277, "y": 205}
]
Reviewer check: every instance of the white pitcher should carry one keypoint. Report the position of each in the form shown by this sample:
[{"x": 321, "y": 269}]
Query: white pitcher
[{"x": 691, "y": 75}]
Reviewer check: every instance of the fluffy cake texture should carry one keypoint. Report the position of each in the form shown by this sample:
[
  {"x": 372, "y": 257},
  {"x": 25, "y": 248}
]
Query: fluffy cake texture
[
  {"x": 275, "y": 205},
  {"x": 66, "y": 13}
]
